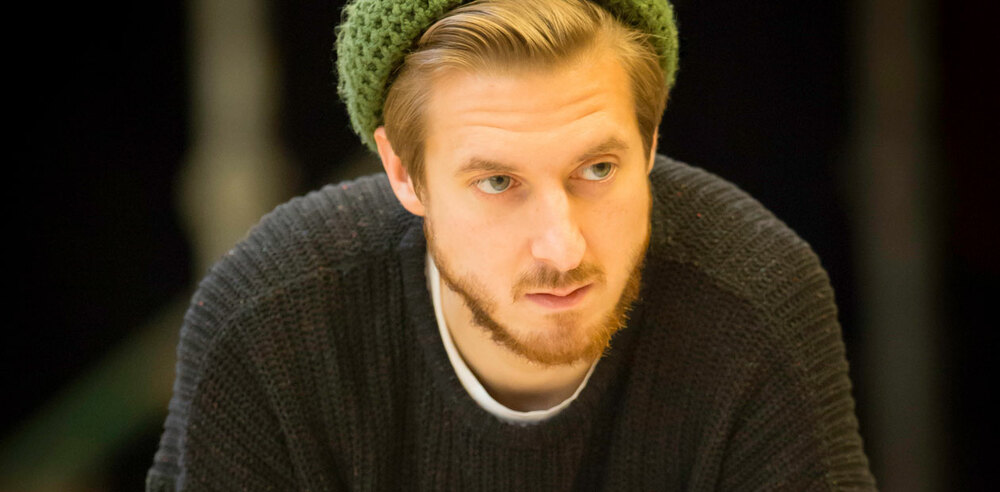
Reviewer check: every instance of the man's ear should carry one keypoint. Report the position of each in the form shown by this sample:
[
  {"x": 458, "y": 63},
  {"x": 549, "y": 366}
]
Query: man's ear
[
  {"x": 399, "y": 179},
  {"x": 652, "y": 150}
]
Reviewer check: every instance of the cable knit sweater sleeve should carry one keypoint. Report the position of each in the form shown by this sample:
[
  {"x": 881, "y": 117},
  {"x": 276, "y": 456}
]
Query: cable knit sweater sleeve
[
  {"x": 234, "y": 439},
  {"x": 793, "y": 425},
  {"x": 243, "y": 413},
  {"x": 221, "y": 431}
]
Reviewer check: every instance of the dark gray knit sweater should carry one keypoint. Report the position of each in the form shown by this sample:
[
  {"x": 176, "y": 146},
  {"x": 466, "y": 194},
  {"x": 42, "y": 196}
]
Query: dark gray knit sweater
[{"x": 310, "y": 359}]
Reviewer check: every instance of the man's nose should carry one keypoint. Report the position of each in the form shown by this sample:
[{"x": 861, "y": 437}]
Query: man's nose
[{"x": 557, "y": 238}]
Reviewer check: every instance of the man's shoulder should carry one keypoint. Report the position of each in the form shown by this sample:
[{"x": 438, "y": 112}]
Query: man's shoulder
[
  {"x": 309, "y": 245},
  {"x": 298, "y": 292},
  {"x": 331, "y": 228},
  {"x": 709, "y": 224},
  {"x": 741, "y": 322}
]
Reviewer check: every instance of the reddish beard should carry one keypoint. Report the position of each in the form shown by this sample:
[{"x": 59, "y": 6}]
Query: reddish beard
[{"x": 565, "y": 343}]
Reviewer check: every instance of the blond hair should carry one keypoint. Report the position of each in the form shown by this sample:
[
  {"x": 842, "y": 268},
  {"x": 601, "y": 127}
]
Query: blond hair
[{"x": 504, "y": 35}]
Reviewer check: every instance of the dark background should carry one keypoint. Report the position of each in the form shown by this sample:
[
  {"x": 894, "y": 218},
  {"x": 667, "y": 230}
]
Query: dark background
[{"x": 767, "y": 97}]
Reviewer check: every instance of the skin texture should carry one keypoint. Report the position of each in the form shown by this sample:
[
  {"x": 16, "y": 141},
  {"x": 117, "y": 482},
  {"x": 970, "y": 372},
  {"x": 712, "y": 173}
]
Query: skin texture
[{"x": 536, "y": 185}]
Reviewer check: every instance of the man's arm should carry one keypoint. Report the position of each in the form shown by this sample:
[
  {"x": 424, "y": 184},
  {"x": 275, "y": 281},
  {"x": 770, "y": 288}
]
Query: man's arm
[
  {"x": 221, "y": 432},
  {"x": 793, "y": 427},
  {"x": 796, "y": 428}
]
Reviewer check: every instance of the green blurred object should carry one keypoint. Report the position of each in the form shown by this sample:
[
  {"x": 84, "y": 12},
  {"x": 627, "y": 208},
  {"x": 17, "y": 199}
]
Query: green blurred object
[{"x": 67, "y": 444}]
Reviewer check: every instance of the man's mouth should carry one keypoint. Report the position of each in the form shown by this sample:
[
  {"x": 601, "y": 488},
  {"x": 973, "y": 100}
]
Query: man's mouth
[{"x": 559, "y": 299}]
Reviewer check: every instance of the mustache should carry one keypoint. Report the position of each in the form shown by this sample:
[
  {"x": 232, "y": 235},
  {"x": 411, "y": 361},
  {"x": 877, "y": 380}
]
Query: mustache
[{"x": 548, "y": 278}]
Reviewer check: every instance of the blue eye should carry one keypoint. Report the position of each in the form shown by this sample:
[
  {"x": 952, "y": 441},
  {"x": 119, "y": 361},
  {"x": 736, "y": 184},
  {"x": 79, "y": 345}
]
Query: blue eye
[
  {"x": 597, "y": 172},
  {"x": 494, "y": 184}
]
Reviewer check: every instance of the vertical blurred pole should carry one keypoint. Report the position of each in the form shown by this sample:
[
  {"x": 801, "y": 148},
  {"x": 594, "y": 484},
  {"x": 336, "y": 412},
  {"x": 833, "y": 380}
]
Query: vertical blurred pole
[
  {"x": 895, "y": 166},
  {"x": 236, "y": 170}
]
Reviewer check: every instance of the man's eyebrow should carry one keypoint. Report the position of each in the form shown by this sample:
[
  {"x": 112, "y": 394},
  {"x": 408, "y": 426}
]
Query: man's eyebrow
[
  {"x": 611, "y": 144},
  {"x": 481, "y": 165}
]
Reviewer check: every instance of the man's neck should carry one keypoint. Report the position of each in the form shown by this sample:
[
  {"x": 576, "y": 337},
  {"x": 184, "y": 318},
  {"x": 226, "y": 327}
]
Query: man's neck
[{"x": 512, "y": 380}]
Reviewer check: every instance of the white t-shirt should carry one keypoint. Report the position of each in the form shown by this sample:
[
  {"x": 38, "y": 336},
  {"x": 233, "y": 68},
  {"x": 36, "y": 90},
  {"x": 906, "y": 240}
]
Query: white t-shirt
[{"x": 468, "y": 379}]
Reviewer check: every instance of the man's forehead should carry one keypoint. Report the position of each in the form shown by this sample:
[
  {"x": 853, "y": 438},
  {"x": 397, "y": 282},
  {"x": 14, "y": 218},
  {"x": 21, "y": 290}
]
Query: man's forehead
[
  {"x": 580, "y": 79},
  {"x": 585, "y": 107}
]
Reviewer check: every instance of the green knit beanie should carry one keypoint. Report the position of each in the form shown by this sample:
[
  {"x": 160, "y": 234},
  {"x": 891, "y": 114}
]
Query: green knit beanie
[{"x": 374, "y": 37}]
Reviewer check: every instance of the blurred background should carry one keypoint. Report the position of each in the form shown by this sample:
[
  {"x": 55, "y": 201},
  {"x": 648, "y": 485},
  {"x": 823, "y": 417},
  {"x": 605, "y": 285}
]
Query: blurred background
[{"x": 149, "y": 136}]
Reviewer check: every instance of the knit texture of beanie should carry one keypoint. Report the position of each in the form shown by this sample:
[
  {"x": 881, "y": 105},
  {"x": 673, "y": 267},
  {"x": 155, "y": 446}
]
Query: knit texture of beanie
[{"x": 375, "y": 35}]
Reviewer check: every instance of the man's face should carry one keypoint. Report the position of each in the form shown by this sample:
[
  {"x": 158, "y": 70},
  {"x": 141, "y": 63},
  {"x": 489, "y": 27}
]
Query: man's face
[{"x": 537, "y": 203}]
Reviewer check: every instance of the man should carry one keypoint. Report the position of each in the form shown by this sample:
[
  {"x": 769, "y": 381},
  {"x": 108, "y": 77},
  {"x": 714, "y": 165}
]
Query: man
[{"x": 530, "y": 299}]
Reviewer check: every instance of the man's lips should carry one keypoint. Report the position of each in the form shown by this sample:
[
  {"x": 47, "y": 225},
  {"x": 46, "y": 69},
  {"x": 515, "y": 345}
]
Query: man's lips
[{"x": 559, "y": 298}]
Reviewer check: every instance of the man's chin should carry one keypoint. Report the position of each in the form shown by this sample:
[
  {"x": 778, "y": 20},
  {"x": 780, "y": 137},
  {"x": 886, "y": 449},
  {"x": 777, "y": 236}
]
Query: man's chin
[{"x": 556, "y": 339}]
